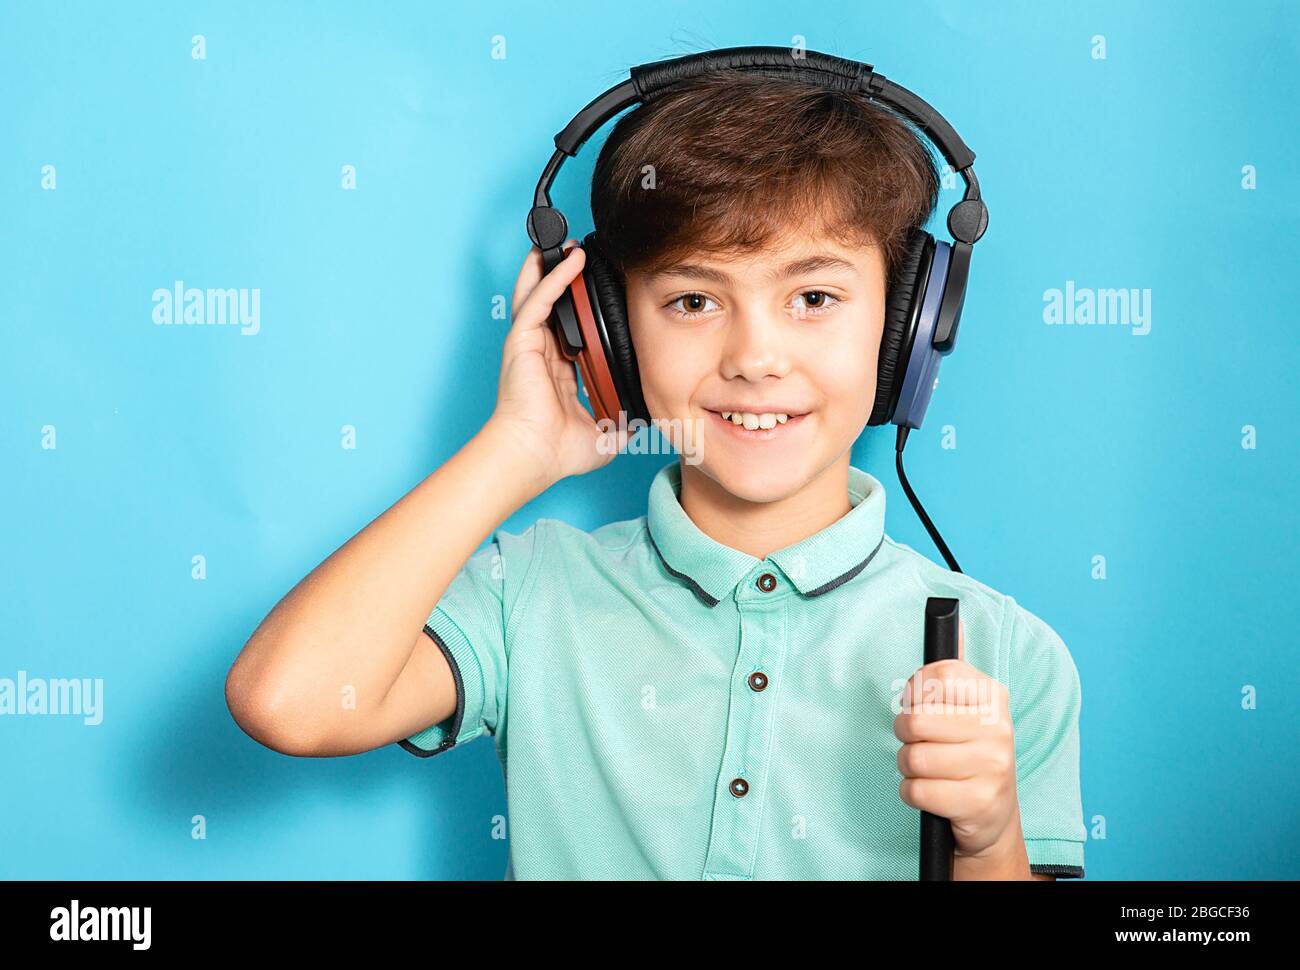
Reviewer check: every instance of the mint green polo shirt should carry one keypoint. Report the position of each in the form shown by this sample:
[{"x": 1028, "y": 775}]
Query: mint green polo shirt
[{"x": 666, "y": 707}]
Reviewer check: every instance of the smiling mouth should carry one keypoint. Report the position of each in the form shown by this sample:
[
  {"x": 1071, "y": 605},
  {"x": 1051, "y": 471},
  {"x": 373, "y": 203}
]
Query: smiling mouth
[{"x": 757, "y": 434}]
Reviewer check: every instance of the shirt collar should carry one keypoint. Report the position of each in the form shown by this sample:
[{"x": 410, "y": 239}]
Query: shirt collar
[{"x": 814, "y": 565}]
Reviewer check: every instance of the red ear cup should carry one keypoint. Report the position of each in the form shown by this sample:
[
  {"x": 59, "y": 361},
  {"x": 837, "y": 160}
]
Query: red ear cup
[
  {"x": 592, "y": 363},
  {"x": 606, "y": 289}
]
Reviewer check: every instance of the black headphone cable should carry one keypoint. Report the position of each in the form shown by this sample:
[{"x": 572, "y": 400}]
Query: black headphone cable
[{"x": 916, "y": 504}]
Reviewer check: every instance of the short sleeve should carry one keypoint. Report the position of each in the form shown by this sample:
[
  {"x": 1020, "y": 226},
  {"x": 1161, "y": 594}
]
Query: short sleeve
[
  {"x": 1045, "y": 700},
  {"x": 470, "y": 625}
]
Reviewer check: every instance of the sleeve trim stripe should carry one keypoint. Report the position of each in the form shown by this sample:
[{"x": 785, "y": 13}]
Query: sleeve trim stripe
[
  {"x": 1050, "y": 869},
  {"x": 453, "y": 729}
]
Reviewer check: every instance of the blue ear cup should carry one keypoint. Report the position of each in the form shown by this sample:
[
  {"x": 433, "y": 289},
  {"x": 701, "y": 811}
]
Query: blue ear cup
[
  {"x": 909, "y": 363},
  {"x": 922, "y": 368}
]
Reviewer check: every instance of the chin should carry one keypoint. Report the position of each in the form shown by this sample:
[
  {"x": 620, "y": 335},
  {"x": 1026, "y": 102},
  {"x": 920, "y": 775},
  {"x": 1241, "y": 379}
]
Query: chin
[{"x": 756, "y": 481}]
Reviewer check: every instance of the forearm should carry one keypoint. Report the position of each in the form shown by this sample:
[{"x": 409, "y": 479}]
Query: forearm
[{"x": 354, "y": 619}]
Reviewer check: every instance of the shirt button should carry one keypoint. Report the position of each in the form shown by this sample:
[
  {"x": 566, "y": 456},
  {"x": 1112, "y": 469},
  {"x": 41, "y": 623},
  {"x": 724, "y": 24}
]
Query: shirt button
[
  {"x": 739, "y": 786},
  {"x": 757, "y": 680},
  {"x": 767, "y": 582}
]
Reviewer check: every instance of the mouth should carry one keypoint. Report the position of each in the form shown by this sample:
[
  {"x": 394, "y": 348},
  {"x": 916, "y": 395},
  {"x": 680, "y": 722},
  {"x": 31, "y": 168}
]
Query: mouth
[{"x": 739, "y": 431}]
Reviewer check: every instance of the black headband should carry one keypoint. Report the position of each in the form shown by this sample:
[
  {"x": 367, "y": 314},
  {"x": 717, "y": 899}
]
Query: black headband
[{"x": 548, "y": 228}]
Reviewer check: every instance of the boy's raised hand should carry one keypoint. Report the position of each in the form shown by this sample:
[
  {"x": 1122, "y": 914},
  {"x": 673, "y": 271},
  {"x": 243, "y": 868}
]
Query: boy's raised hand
[
  {"x": 958, "y": 757},
  {"x": 537, "y": 398}
]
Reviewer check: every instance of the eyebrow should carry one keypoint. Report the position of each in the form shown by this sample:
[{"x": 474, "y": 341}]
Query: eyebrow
[{"x": 808, "y": 264}]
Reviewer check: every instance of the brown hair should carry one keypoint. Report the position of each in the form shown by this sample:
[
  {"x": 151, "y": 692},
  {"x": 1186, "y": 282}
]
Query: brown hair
[{"x": 740, "y": 158}]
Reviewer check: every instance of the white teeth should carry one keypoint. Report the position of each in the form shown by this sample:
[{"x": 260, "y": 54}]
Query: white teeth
[{"x": 767, "y": 419}]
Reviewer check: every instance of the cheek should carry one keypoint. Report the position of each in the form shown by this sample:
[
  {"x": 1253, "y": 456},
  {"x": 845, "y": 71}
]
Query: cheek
[
  {"x": 662, "y": 365},
  {"x": 848, "y": 375}
]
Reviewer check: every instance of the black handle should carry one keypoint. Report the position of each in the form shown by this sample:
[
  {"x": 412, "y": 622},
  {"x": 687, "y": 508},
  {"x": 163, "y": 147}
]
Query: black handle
[{"x": 941, "y": 619}]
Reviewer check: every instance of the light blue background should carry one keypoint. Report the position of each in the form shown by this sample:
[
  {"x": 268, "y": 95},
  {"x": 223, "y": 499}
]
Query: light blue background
[{"x": 176, "y": 441}]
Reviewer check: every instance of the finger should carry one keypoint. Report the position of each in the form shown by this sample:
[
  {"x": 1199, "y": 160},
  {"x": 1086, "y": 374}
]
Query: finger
[
  {"x": 950, "y": 682},
  {"x": 945, "y": 797},
  {"x": 536, "y": 308},
  {"x": 562, "y": 374},
  {"x": 936, "y": 759},
  {"x": 947, "y": 723},
  {"x": 583, "y": 416},
  {"x": 554, "y": 358},
  {"x": 529, "y": 273}
]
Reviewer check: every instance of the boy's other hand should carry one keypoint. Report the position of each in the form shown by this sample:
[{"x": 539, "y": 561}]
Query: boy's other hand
[
  {"x": 958, "y": 757},
  {"x": 537, "y": 399}
]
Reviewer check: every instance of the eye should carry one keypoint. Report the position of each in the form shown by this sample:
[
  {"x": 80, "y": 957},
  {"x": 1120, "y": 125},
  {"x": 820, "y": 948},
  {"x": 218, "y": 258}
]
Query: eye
[
  {"x": 695, "y": 301},
  {"x": 804, "y": 307},
  {"x": 696, "y": 304}
]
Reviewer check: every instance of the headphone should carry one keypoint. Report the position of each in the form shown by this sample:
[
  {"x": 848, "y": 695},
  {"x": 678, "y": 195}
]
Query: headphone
[{"x": 922, "y": 305}]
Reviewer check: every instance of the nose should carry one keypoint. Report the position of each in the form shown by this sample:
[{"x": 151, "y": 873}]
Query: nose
[{"x": 755, "y": 345}]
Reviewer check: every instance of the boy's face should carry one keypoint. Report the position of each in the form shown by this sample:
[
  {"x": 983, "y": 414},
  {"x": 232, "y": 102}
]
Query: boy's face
[{"x": 767, "y": 335}]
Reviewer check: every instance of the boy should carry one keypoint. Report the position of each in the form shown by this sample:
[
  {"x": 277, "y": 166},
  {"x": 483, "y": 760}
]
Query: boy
[{"x": 720, "y": 688}]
